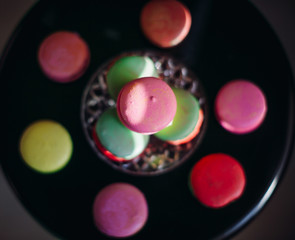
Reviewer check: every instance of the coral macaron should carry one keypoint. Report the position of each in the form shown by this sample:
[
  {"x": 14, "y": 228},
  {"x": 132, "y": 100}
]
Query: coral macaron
[
  {"x": 165, "y": 23},
  {"x": 146, "y": 105},
  {"x": 63, "y": 56}
]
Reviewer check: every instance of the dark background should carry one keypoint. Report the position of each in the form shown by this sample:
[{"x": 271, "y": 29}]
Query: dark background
[{"x": 276, "y": 221}]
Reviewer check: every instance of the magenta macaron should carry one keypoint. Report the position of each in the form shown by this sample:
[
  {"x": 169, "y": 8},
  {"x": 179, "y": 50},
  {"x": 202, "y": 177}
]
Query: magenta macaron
[
  {"x": 240, "y": 106},
  {"x": 63, "y": 56},
  {"x": 146, "y": 105},
  {"x": 120, "y": 210}
]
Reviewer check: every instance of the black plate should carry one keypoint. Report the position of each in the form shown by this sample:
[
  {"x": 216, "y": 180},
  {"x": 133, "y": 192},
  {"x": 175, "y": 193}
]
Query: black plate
[{"x": 228, "y": 40}]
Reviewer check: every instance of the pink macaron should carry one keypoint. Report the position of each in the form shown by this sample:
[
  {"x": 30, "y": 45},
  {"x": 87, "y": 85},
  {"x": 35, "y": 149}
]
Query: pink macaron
[
  {"x": 63, "y": 56},
  {"x": 120, "y": 210},
  {"x": 240, "y": 106},
  {"x": 146, "y": 105}
]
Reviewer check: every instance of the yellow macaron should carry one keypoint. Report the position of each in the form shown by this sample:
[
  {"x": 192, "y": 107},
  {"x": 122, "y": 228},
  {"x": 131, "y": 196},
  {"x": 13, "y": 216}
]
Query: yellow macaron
[{"x": 46, "y": 146}]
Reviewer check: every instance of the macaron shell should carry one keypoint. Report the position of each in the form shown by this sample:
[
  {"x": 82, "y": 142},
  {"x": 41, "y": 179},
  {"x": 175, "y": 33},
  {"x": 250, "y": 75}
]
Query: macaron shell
[
  {"x": 63, "y": 56},
  {"x": 127, "y": 69},
  {"x": 186, "y": 117},
  {"x": 240, "y": 106},
  {"x": 46, "y": 146},
  {"x": 146, "y": 105},
  {"x": 217, "y": 180},
  {"x": 165, "y": 23},
  {"x": 104, "y": 150},
  {"x": 118, "y": 139},
  {"x": 193, "y": 134},
  {"x": 120, "y": 210}
]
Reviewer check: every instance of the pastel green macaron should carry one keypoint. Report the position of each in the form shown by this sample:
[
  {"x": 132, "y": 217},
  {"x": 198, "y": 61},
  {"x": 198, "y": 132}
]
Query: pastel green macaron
[
  {"x": 46, "y": 146},
  {"x": 127, "y": 69},
  {"x": 186, "y": 117},
  {"x": 117, "y": 138}
]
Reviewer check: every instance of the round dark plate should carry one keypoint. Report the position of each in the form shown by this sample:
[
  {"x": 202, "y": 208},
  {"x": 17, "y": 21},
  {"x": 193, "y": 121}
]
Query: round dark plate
[{"x": 228, "y": 40}]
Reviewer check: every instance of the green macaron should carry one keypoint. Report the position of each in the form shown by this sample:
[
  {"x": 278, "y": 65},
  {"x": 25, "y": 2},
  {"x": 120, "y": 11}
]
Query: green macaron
[
  {"x": 186, "y": 117},
  {"x": 118, "y": 139},
  {"x": 127, "y": 69}
]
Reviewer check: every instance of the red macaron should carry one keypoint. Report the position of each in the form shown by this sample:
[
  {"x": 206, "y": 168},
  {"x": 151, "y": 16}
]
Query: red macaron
[{"x": 217, "y": 180}]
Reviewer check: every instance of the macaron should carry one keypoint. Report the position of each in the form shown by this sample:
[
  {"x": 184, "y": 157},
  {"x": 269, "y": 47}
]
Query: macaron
[
  {"x": 240, "y": 106},
  {"x": 217, "y": 180},
  {"x": 103, "y": 150},
  {"x": 127, "y": 69},
  {"x": 121, "y": 142},
  {"x": 120, "y": 210},
  {"x": 165, "y": 23},
  {"x": 46, "y": 146},
  {"x": 186, "y": 117},
  {"x": 63, "y": 56},
  {"x": 146, "y": 105},
  {"x": 193, "y": 134}
]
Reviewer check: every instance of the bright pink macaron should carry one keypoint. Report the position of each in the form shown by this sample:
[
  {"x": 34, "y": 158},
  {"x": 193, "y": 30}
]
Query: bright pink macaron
[
  {"x": 217, "y": 180},
  {"x": 146, "y": 105},
  {"x": 240, "y": 106},
  {"x": 63, "y": 56},
  {"x": 120, "y": 210}
]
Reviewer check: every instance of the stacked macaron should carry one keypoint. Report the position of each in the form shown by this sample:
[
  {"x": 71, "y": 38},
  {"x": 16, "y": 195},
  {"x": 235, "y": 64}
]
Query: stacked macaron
[{"x": 146, "y": 105}]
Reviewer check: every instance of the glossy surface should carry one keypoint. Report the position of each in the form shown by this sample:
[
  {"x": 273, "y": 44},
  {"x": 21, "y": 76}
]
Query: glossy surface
[
  {"x": 217, "y": 180},
  {"x": 127, "y": 69},
  {"x": 240, "y": 106},
  {"x": 165, "y": 23},
  {"x": 186, "y": 117},
  {"x": 120, "y": 210},
  {"x": 63, "y": 56},
  {"x": 244, "y": 48},
  {"x": 46, "y": 146},
  {"x": 118, "y": 139},
  {"x": 146, "y": 105}
]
